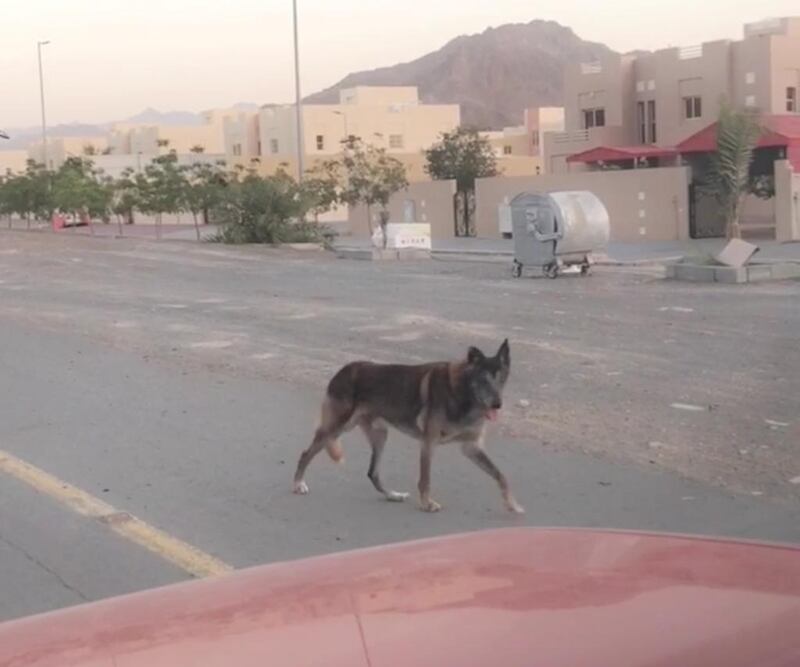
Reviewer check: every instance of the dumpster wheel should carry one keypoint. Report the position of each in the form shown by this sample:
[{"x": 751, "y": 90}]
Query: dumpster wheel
[
  {"x": 516, "y": 269},
  {"x": 585, "y": 268},
  {"x": 551, "y": 270}
]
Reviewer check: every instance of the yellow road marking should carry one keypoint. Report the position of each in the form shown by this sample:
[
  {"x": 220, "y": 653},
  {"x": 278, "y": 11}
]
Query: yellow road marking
[{"x": 184, "y": 555}]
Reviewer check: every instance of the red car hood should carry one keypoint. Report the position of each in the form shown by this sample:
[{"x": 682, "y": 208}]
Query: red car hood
[{"x": 518, "y": 597}]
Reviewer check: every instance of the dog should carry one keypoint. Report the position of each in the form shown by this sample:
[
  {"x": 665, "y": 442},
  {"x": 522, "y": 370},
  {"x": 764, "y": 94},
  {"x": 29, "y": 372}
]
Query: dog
[{"x": 433, "y": 403}]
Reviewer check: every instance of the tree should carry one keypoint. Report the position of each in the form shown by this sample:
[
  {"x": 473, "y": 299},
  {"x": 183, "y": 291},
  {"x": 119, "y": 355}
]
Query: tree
[
  {"x": 35, "y": 193},
  {"x": 368, "y": 175},
  {"x": 162, "y": 187},
  {"x": 729, "y": 178},
  {"x": 320, "y": 188},
  {"x": 126, "y": 198},
  {"x": 204, "y": 188},
  {"x": 463, "y": 156},
  {"x": 79, "y": 189},
  {"x": 197, "y": 149},
  {"x": 263, "y": 210}
]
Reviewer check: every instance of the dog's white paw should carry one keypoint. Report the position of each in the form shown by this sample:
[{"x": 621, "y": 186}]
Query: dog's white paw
[
  {"x": 301, "y": 488},
  {"x": 396, "y": 496},
  {"x": 430, "y": 506},
  {"x": 514, "y": 506}
]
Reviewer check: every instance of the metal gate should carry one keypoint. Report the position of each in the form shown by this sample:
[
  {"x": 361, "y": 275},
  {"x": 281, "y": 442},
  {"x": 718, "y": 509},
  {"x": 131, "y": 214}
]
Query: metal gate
[
  {"x": 464, "y": 213},
  {"x": 706, "y": 220}
]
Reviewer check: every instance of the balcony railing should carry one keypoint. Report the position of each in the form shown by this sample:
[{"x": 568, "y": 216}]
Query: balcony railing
[{"x": 571, "y": 137}]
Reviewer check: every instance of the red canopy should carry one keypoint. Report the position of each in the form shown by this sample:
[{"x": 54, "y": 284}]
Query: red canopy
[
  {"x": 778, "y": 131},
  {"x": 617, "y": 153}
]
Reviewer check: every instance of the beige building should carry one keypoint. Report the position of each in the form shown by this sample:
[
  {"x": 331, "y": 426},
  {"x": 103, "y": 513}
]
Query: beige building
[
  {"x": 387, "y": 117},
  {"x": 662, "y": 98},
  {"x": 148, "y": 139},
  {"x": 61, "y": 148},
  {"x": 519, "y": 149},
  {"x": 13, "y": 161}
]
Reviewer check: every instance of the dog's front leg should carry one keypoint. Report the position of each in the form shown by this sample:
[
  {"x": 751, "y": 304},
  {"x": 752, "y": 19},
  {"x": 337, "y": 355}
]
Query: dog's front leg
[
  {"x": 427, "y": 504},
  {"x": 473, "y": 450}
]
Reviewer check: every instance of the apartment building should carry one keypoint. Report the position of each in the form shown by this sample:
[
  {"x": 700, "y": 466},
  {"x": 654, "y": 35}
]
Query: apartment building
[
  {"x": 149, "y": 139},
  {"x": 61, "y": 148},
  {"x": 389, "y": 117},
  {"x": 643, "y": 105}
]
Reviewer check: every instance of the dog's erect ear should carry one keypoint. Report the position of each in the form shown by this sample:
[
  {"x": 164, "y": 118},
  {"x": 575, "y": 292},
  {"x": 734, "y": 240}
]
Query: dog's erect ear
[
  {"x": 504, "y": 353},
  {"x": 475, "y": 356}
]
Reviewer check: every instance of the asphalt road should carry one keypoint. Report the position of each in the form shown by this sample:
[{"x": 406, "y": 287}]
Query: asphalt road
[{"x": 178, "y": 383}]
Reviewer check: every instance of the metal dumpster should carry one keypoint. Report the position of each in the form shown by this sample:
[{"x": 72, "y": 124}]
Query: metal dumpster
[{"x": 557, "y": 230}]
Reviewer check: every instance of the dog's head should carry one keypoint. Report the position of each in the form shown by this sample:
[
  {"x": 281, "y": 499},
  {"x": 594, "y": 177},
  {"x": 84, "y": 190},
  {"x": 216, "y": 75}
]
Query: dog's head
[{"x": 486, "y": 378}]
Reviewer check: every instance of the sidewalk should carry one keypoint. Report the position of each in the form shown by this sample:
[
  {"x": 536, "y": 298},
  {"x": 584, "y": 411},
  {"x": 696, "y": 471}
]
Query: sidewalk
[{"x": 646, "y": 252}]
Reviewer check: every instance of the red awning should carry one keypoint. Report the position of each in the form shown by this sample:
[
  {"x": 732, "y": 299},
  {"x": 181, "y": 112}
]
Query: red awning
[
  {"x": 778, "y": 131},
  {"x": 620, "y": 153}
]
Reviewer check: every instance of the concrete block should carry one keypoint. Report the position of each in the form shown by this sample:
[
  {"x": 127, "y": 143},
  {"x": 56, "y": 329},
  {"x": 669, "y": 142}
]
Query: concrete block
[
  {"x": 758, "y": 272},
  {"x": 785, "y": 271},
  {"x": 729, "y": 274},
  {"x": 737, "y": 253},
  {"x": 695, "y": 273}
]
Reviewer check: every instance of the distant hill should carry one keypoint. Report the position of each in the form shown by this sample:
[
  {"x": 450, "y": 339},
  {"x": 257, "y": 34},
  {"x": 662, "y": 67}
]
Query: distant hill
[
  {"x": 493, "y": 75},
  {"x": 152, "y": 116}
]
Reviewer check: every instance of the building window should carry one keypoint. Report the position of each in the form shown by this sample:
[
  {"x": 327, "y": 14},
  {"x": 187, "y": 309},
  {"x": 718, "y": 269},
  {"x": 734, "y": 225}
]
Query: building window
[
  {"x": 259, "y": 148},
  {"x": 641, "y": 121},
  {"x": 273, "y": 146},
  {"x": 594, "y": 118},
  {"x": 750, "y": 101},
  {"x": 750, "y": 78},
  {"x": 692, "y": 107},
  {"x": 535, "y": 140},
  {"x": 640, "y": 86},
  {"x": 396, "y": 141},
  {"x": 237, "y": 149},
  {"x": 791, "y": 99},
  {"x": 320, "y": 142},
  {"x": 507, "y": 150},
  {"x": 651, "y": 121}
]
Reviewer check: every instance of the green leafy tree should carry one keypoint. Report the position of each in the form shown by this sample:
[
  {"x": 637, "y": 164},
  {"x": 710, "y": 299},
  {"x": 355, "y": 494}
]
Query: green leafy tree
[
  {"x": 368, "y": 175},
  {"x": 205, "y": 185},
  {"x": 729, "y": 178},
  {"x": 126, "y": 198},
  {"x": 463, "y": 156},
  {"x": 264, "y": 210},
  {"x": 320, "y": 188},
  {"x": 162, "y": 188},
  {"x": 79, "y": 189}
]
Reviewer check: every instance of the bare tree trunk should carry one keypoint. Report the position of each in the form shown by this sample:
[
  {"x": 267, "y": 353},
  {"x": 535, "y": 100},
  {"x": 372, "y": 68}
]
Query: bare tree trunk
[
  {"x": 158, "y": 226},
  {"x": 734, "y": 230},
  {"x": 369, "y": 220},
  {"x": 28, "y": 220},
  {"x": 196, "y": 225},
  {"x": 119, "y": 224}
]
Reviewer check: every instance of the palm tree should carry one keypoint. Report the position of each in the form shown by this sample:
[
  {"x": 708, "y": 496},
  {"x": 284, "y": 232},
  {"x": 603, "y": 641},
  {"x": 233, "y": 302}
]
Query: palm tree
[{"x": 729, "y": 176}]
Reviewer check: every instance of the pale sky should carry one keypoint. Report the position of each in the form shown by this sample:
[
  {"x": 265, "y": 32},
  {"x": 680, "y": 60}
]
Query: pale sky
[{"x": 109, "y": 59}]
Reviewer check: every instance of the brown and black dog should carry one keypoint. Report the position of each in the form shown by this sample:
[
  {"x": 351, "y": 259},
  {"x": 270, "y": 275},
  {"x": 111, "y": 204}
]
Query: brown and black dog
[{"x": 433, "y": 403}]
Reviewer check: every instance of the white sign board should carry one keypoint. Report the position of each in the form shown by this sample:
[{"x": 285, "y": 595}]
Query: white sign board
[{"x": 404, "y": 235}]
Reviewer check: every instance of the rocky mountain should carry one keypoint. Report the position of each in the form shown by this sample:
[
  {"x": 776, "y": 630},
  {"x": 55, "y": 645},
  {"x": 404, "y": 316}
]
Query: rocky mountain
[{"x": 493, "y": 75}]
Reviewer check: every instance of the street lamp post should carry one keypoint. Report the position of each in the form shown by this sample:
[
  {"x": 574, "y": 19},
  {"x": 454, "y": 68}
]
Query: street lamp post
[
  {"x": 39, "y": 46},
  {"x": 298, "y": 103}
]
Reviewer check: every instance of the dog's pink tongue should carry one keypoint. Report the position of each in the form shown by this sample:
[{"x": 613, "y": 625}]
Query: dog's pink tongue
[{"x": 491, "y": 415}]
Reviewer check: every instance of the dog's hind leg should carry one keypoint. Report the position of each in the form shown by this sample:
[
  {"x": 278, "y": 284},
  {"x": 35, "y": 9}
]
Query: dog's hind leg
[
  {"x": 474, "y": 452},
  {"x": 333, "y": 423},
  {"x": 377, "y": 436}
]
